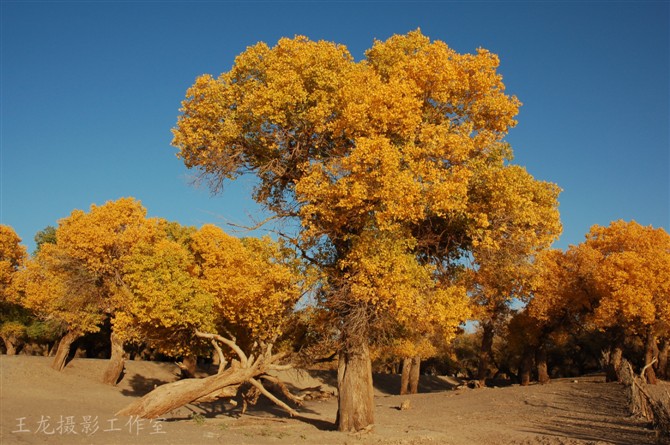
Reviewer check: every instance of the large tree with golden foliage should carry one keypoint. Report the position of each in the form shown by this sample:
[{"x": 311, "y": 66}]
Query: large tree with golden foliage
[
  {"x": 376, "y": 159},
  {"x": 78, "y": 280},
  {"x": 631, "y": 281},
  {"x": 617, "y": 280}
]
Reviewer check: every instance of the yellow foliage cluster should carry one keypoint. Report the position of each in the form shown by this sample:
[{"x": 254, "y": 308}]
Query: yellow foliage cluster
[
  {"x": 618, "y": 277},
  {"x": 12, "y": 257},
  {"x": 633, "y": 274},
  {"x": 56, "y": 287},
  {"x": 158, "y": 282},
  {"x": 253, "y": 283}
]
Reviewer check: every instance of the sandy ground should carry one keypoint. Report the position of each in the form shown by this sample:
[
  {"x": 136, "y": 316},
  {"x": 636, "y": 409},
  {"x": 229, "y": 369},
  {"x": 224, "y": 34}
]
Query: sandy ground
[{"x": 42, "y": 406}]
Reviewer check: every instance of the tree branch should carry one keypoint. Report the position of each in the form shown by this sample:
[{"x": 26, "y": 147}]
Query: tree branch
[
  {"x": 231, "y": 344},
  {"x": 266, "y": 393},
  {"x": 645, "y": 368},
  {"x": 222, "y": 358}
]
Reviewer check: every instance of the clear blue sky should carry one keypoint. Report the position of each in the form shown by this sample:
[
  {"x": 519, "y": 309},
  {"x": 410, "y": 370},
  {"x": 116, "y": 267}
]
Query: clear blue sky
[{"x": 90, "y": 91}]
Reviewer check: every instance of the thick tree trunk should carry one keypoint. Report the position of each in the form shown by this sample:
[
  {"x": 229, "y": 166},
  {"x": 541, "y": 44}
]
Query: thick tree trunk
[
  {"x": 116, "y": 362},
  {"x": 541, "y": 361},
  {"x": 486, "y": 353},
  {"x": 650, "y": 346},
  {"x": 404, "y": 376},
  {"x": 414, "y": 375},
  {"x": 526, "y": 367},
  {"x": 355, "y": 401},
  {"x": 63, "y": 350},
  {"x": 663, "y": 359}
]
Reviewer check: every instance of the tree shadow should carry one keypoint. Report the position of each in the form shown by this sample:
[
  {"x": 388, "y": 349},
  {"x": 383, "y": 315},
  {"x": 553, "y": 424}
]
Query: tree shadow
[
  {"x": 140, "y": 386},
  {"x": 389, "y": 384}
]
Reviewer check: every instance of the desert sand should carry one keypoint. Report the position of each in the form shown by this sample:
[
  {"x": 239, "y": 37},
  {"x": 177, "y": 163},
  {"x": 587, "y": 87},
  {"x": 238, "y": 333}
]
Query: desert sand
[{"x": 43, "y": 406}]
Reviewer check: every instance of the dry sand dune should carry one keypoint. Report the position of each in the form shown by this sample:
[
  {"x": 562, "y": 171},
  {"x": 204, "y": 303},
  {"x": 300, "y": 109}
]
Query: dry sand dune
[{"x": 42, "y": 406}]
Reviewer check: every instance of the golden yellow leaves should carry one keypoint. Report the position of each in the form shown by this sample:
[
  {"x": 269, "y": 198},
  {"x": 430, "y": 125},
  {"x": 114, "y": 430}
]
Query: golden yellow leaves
[
  {"x": 252, "y": 283},
  {"x": 12, "y": 258},
  {"x": 633, "y": 274},
  {"x": 619, "y": 277}
]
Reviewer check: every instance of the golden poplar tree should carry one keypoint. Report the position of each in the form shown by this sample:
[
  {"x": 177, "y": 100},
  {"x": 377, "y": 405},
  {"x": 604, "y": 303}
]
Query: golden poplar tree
[
  {"x": 632, "y": 281},
  {"x": 617, "y": 280},
  {"x": 78, "y": 280},
  {"x": 376, "y": 159}
]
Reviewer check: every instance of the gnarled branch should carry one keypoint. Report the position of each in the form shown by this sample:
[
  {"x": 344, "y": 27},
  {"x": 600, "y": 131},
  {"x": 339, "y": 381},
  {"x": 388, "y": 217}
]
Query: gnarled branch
[{"x": 230, "y": 343}]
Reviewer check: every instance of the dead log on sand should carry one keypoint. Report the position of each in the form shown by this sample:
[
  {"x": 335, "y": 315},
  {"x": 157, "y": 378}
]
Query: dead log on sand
[
  {"x": 246, "y": 369},
  {"x": 651, "y": 405}
]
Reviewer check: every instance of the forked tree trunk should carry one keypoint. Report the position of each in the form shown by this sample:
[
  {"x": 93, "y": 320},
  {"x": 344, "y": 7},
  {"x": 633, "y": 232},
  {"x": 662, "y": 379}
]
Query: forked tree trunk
[
  {"x": 414, "y": 375},
  {"x": 541, "y": 361},
  {"x": 116, "y": 361},
  {"x": 63, "y": 350},
  {"x": 486, "y": 353},
  {"x": 649, "y": 348},
  {"x": 355, "y": 401},
  {"x": 663, "y": 359},
  {"x": 526, "y": 367},
  {"x": 404, "y": 375}
]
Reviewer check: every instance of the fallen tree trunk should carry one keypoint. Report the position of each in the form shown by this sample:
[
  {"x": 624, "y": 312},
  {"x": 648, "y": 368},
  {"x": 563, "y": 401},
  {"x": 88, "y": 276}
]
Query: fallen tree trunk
[{"x": 174, "y": 395}]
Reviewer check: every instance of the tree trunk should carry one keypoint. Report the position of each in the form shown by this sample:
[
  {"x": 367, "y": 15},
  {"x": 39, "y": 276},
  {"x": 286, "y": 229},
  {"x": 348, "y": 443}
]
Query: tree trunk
[
  {"x": 526, "y": 367},
  {"x": 541, "y": 361},
  {"x": 116, "y": 362},
  {"x": 414, "y": 375},
  {"x": 615, "y": 362},
  {"x": 9, "y": 345},
  {"x": 355, "y": 400},
  {"x": 486, "y": 353},
  {"x": 171, "y": 396},
  {"x": 64, "y": 350},
  {"x": 404, "y": 376},
  {"x": 650, "y": 345},
  {"x": 663, "y": 359}
]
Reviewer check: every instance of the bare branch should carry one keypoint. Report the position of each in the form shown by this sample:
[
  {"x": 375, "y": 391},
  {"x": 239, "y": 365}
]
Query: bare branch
[
  {"x": 645, "y": 368},
  {"x": 222, "y": 358},
  {"x": 230, "y": 343},
  {"x": 267, "y": 394}
]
